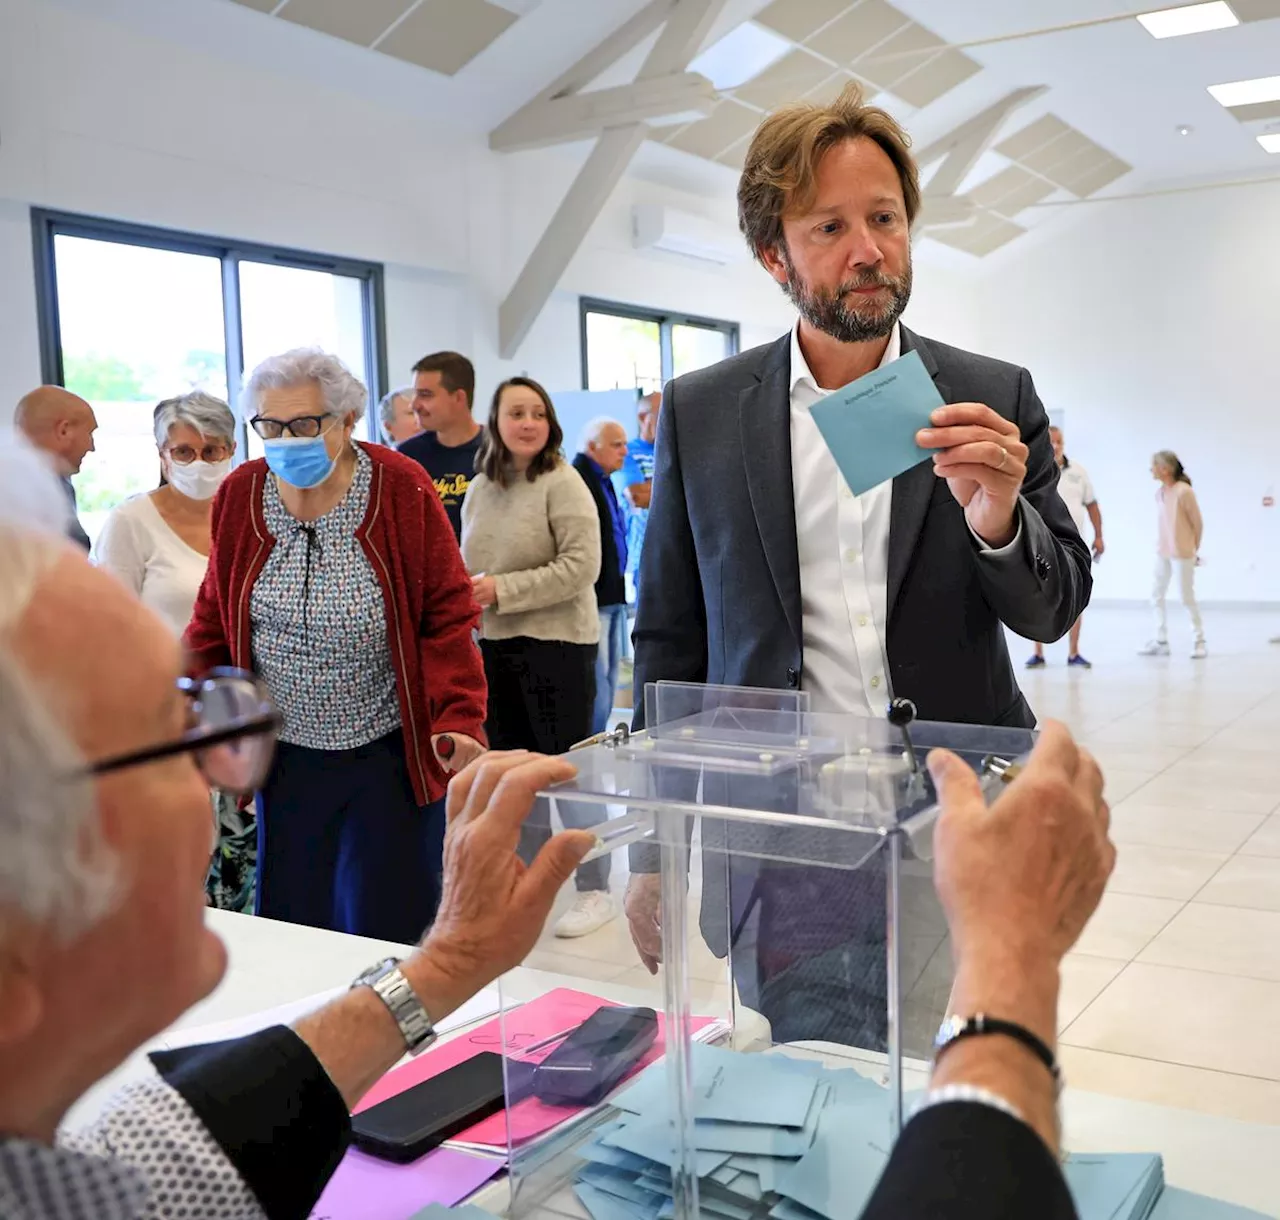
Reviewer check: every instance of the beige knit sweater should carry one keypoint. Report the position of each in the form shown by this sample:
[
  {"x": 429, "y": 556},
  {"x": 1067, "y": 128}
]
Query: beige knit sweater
[{"x": 540, "y": 542}]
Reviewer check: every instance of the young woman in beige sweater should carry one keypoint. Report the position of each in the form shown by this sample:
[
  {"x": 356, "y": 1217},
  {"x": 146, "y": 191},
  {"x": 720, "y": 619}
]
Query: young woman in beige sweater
[
  {"x": 531, "y": 541},
  {"x": 1180, "y": 528}
]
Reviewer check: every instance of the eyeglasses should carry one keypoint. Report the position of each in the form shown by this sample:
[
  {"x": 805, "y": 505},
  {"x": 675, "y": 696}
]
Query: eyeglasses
[
  {"x": 234, "y": 724},
  {"x": 184, "y": 455},
  {"x": 307, "y": 426}
]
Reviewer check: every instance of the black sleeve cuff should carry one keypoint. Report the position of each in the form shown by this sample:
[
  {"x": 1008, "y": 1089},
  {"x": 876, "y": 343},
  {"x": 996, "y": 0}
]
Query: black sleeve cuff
[
  {"x": 272, "y": 1108},
  {"x": 963, "y": 1160}
]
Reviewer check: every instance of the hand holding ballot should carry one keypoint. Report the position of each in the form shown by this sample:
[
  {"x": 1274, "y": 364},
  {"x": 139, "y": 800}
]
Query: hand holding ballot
[{"x": 983, "y": 459}]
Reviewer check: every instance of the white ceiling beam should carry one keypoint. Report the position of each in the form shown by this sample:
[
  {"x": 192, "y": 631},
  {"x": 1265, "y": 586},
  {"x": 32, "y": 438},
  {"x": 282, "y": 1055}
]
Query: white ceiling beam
[
  {"x": 964, "y": 146},
  {"x": 599, "y": 60},
  {"x": 686, "y": 26},
  {"x": 574, "y": 217},
  {"x": 945, "y": 212},
  {"x": 587, "y": 114}
]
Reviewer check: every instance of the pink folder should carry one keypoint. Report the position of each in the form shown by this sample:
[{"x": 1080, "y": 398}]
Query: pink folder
[{"x": 541, "y": 1023}]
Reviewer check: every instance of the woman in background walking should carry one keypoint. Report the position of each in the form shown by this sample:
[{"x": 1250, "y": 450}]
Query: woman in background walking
[{"x": 1178, "y": 547}]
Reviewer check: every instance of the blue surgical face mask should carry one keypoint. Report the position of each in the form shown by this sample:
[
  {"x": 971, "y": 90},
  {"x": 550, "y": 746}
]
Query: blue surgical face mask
[{"x": 301, "y": 461}]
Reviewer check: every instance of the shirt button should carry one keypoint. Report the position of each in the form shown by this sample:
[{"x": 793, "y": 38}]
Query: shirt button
[
  {"x": 845, "y": 493},
  {"x": 851, "y": 556},
  {"x": 862, "y": 620},
  {"x": 875, "y": 682}
]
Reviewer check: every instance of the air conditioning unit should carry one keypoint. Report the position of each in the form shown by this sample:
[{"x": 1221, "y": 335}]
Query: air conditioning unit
[{"x": 656, "y": 227}]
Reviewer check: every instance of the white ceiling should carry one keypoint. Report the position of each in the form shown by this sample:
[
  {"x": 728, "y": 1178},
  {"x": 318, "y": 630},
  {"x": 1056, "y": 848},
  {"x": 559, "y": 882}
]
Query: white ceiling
[{"x": 1113, "y": 82}]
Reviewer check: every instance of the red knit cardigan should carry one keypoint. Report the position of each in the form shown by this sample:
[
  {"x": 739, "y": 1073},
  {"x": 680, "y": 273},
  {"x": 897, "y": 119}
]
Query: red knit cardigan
[{"x": 431, "y": 613}]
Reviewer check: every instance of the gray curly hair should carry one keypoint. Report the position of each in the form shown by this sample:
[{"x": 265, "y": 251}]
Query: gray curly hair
[
  {"x": 342, "y": 391},
  {"x": 207, "y": 414}
]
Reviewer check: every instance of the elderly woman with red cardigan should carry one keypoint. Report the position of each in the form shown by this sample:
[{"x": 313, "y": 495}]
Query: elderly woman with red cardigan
[{"x": 335, "y": 575}]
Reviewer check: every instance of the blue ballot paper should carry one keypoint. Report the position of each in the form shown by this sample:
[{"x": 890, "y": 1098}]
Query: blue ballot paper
[
  {"x": 1121, "y": 1186},
  {"x": 836, "y": 1176},
  {"x": 730, "y": 1087},
  {"x": 1183, "y": 1205},
  {"x": 870, "y": 425}
]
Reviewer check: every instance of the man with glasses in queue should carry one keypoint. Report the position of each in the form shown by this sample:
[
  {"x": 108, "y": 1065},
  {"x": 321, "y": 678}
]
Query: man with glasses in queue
[{"x": 105, "y": 754}]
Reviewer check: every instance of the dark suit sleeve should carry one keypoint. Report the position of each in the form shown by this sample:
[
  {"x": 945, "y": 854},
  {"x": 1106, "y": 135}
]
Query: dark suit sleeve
[
  {"x": 268, "y": 1103},
  {"x": 1042, "y": 588},
  {"x": 963, "y": 1160},
  {"x": 670, "y": 635}
]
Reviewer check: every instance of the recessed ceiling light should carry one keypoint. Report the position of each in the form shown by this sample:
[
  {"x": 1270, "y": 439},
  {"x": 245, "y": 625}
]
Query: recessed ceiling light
[
  {"x": 1184, "y": 129},
  {"x": 1271, "y": 142},
  {"x": 1248, "y": 92},
  {"x": 1189, "y": 19}
]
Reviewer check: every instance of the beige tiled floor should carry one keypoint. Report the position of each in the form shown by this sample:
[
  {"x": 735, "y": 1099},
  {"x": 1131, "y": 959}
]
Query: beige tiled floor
[{"x": 1173, "y": 993}]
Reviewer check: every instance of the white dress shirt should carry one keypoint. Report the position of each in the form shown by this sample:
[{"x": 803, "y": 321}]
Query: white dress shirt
[{"x": 843, "y": 544}]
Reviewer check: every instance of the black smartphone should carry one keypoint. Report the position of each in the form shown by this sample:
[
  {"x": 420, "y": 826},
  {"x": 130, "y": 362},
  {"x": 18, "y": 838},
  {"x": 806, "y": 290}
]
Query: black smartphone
[
  {"x": 592, "y": 1059},
  {"x": 410, "y": 1124}
]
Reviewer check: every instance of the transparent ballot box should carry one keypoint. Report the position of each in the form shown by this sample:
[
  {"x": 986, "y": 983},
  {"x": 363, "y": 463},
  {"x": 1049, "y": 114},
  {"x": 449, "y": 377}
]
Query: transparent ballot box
[{"x": 781, "y": 964}]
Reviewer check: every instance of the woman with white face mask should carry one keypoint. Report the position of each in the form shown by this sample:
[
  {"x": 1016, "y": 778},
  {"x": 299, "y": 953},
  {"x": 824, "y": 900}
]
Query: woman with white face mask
[{"x": 158, "y": 543}]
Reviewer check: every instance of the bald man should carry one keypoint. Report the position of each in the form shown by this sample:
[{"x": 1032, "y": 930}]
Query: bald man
[{"x": 61, "y": 424}]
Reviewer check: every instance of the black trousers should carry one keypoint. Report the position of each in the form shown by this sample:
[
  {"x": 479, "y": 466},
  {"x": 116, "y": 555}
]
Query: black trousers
[
  {"x": 344, "y": 844},
  {"x": 541, "y": 695}
]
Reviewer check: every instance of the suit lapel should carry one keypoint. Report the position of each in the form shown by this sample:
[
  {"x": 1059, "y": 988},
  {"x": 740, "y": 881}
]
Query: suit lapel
[
  {"x": 764, "y": 419},
  {"x": 912, "y": 490}
]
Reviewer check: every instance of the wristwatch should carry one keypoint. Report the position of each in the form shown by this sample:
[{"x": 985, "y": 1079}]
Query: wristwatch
[
  {"x": 956, "y": 1028},
  {"x": 392, "y": 988}
]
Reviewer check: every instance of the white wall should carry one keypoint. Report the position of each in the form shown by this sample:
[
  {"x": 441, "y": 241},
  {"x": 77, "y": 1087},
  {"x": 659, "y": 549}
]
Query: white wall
[{"x": 1153, "y": 324}]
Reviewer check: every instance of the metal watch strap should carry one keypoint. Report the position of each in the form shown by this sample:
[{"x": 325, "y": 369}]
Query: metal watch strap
[
  {"x": 407, "y": 1010},
  {"x": 955, "y": 1029}
]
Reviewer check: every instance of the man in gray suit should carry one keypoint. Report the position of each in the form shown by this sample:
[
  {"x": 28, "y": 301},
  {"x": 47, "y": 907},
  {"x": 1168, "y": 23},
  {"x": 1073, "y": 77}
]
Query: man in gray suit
[{"x": 769, "y": 572}]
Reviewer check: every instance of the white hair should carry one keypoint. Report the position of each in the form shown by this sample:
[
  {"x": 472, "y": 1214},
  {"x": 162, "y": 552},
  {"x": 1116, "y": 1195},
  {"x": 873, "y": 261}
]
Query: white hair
[
  {"x": 55, "y": 868},
  {"x": 207, "y": 414},
  {"x": 341, "y": 390},
  {"x": 387, "y": 409},
  {"x": 595, "y": 429}
]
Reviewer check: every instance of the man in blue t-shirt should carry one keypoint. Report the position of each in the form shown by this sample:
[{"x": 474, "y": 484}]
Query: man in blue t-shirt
[
  {"x": 444, "y": 386},
  {"x": 634, "y": 482}
]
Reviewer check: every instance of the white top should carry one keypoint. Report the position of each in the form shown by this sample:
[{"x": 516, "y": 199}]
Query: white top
[
  {"x": 140, "y": 547},
  {"x": 843, "y": 544},
  {"x": 1076, "y": 491}
]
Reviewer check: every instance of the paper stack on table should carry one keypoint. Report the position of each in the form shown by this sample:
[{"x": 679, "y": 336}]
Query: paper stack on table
[
  {"x": 1183, "y": 1205},
  {"x": 786, "y": 1136},
  {"x": 1121, "y": 1186}
]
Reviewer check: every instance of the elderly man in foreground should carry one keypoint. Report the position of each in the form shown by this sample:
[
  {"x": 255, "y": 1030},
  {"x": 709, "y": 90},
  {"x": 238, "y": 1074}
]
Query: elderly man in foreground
[{"x": 105, "y": 754}]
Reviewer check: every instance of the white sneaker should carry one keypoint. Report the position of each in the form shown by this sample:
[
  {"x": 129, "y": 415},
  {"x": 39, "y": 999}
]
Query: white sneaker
[
  {"x": 591, "y": 910},
  {"x": 1155, "y": 648},
  {"x": 1200, "y": 651}
]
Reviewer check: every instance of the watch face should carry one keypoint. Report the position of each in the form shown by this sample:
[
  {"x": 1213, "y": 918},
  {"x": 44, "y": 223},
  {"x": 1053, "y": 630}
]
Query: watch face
[
  {"x": 376, "y": 971},
  {"x": 946, "y": 1031}
]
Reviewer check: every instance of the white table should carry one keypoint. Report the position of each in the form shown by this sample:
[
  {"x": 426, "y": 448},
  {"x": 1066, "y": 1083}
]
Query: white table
[{"x": 272, "y": 963}]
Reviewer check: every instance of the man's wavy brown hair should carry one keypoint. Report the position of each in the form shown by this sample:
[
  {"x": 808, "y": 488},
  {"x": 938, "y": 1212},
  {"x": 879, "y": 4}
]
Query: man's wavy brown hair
[{"x": 779, "y": 177}]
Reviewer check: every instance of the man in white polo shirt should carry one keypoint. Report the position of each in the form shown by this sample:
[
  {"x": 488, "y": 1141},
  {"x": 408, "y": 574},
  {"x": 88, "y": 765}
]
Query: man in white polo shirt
[{"x": 1076, "y": 491}]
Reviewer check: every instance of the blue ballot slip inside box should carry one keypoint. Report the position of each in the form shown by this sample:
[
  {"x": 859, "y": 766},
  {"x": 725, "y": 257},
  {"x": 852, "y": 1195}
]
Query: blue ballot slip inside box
[{"x": 870, "y": 425}]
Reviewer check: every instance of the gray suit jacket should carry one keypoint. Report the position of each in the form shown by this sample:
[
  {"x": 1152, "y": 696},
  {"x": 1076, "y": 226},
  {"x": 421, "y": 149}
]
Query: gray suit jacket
[{"x": 720, "y": 573}]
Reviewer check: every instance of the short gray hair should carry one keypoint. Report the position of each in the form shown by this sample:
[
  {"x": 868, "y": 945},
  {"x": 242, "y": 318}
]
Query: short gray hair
[
  {"x": 387, "y": 408},
  {"x": 208, "y": 415},
  {"x": 56, "y": 870},
  {"x": 592, "y": 432},
  {"x": 342, "y": 391}
]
